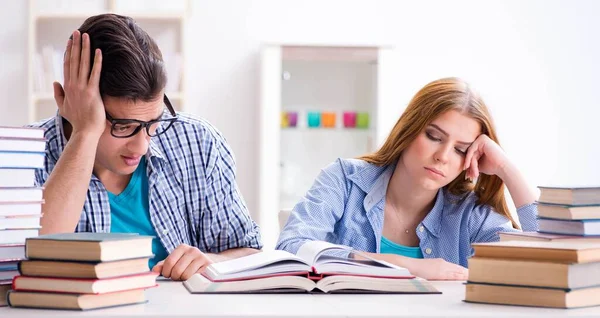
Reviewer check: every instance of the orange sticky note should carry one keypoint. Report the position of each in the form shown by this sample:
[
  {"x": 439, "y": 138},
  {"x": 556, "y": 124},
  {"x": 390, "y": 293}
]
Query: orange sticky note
[{"x": 328, "y": 119}]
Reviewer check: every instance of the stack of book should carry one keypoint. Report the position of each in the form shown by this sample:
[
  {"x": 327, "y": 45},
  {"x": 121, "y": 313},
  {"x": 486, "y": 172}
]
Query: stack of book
[
  {"x": 530, "y": 273},
  {"x": 565, "y": 214},
  {"x": 82, "y": 271},
  {"x": 22, "y": 151}
]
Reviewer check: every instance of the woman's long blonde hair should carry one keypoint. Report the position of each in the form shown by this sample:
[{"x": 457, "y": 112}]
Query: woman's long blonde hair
[{"x": 430, "y": 102}]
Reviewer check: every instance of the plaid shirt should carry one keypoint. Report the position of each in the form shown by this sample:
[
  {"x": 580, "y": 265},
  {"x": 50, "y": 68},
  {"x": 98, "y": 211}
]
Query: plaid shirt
[{"x": 193, "y": 196}]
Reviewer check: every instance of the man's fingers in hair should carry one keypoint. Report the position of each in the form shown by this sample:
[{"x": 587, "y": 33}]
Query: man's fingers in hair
[
  {"x": 75, "y": 56},
  {"x": 95, "y": 76},
  {"x": 84, "y": 64}
]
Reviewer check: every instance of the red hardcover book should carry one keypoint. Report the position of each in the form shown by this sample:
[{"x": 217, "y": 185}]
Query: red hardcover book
[{"x": 84, "y": 286}]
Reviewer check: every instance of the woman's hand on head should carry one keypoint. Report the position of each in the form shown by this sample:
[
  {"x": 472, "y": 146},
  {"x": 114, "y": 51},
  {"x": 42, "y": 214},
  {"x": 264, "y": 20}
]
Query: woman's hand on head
[
  {"x": 435, "y": 269},
  {"x": 79, "y": 101},
  {"x": 484, "y": 156}
]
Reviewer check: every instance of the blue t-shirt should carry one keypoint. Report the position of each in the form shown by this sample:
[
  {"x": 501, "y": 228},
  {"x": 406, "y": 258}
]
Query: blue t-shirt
[
  {"x": 389, "y": 247},
  {"x": 129, "y": 212}
]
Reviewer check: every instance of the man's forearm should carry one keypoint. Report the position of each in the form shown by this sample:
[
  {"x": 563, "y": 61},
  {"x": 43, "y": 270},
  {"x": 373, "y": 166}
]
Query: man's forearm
[
  {"x": 232, "y": 253},
  {"x": 66, "y": 188}
]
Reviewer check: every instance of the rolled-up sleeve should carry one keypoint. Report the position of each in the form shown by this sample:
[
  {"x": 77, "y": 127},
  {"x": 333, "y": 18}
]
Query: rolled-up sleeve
[
  {"x": 485, "y": 223},
  {"x": 528, "y": 217},
  {"x": 314, "y": 218}
]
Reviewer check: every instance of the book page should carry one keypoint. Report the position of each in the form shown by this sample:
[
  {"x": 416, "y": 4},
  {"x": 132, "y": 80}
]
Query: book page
[
  {"x": 311, "y": 250},
  {"x": 370, "y": 267},
  {"x": 357, "y": 284},
  {"x": 200, "y": 284},
  {"x": 262, "y": 263}
]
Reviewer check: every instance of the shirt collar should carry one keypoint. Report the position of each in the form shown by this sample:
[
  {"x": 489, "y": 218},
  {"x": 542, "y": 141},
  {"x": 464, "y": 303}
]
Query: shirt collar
[
  {"x": 373, "y": 180},
  {"x": 375, "y": 183}
]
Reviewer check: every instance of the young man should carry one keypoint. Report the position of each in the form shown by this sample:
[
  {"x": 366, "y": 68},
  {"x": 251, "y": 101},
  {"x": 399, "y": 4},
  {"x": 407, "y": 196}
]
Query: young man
[{"x": 120, "y": 159}]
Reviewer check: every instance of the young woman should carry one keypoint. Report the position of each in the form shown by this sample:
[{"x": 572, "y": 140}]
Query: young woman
[{"x": 433, "y": 188}]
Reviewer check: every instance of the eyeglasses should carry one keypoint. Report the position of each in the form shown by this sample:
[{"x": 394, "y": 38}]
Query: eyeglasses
[{"x": 125, "y": 128}]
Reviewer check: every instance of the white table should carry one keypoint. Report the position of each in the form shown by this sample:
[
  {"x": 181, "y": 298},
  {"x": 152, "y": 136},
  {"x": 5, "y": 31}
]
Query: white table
[{"x": 172, "y": 299}]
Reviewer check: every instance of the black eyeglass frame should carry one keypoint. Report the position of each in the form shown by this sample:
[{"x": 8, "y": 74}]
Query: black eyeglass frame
[{"x": 144, "y": 124}]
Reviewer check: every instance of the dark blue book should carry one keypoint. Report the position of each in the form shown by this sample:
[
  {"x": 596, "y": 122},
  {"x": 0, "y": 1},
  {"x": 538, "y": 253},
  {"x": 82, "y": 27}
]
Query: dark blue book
[{"x": 569, "y": 227}]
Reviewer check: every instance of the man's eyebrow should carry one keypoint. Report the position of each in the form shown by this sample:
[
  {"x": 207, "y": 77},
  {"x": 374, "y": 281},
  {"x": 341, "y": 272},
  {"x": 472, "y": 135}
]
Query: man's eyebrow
[{"x": 446, "y": 134}]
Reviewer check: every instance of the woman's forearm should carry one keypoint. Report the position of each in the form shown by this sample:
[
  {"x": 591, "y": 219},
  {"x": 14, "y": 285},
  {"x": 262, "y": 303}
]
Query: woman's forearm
[{"x": 520, "y": 191}]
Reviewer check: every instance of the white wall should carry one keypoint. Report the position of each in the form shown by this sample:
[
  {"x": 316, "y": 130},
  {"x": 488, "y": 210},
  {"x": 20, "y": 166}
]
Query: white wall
[
  {"x": 13, "y": 59},
  {"x": 535, "y": 62}
]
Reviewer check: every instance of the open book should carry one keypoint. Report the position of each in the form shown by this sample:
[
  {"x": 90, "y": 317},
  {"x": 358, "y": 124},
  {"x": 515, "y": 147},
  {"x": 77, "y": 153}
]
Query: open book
[{"x": 312, "y": 269}]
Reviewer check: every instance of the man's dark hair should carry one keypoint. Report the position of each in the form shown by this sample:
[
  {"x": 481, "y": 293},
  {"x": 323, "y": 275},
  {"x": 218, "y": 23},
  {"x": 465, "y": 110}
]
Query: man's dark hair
[{"x": 132, "y": 64}]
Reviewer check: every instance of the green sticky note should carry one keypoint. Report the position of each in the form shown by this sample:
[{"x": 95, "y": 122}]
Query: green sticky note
[{"x": 362, "y": 120}]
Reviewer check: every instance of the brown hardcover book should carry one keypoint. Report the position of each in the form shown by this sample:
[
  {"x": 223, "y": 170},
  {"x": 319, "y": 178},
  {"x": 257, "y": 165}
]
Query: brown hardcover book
[
  {"x": 4, "y": 292},
  {"x": 528, "y": 273},
  {"x": 532, "y": 296},
  {"x": 84, "y": 286},
  {"x": 559, "y": 252},
  {"x": 546, "y": 237},
  {"x": 569, "y": 212},
  {"x": 570, "y": 195},
  {"x": 42, "y": 268},
  {"x": 74, "y": 301},
  {"x": 96, "y": 247}
]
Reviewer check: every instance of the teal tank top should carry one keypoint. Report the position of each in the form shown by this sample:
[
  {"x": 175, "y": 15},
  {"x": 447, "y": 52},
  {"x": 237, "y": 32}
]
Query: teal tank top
[{"x": 389, "y": 247}]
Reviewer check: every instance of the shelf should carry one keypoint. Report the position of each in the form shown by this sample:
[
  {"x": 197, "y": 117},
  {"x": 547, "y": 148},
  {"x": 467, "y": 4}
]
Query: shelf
[
  {"x": 50, "y": 23},
  {"x": 327, "y": 130},
  {"x": 136, "y": 16},
  {"x": 327, "y": 53},
  {"x": 49, "y": 97}
]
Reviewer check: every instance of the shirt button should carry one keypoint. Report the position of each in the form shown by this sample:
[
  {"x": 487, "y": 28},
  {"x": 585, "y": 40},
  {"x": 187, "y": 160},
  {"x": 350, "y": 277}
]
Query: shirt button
[
  {"x": 428, "y": 251},
  {"x": 165, "y": 232},
  {"x": 421, "y": 228}
]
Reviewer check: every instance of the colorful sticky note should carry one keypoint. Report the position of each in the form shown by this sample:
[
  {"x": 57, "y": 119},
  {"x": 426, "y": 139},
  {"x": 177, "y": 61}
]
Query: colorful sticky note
[
  {"x": 314, "y": 119},
  {"x": 362, "y": 120},
  {"x": 284, "y": 120},
  {"x": 292, "y": 118},
  {"x": 328, "y": 119},
  {"x": 349, "y": 119}
]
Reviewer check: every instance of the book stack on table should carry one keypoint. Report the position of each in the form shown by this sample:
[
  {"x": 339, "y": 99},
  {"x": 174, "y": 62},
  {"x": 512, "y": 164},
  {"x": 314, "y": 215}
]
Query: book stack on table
[
  {"x": 531, "y": 273},
  {"x": 22, "y": 153},
  {"x": 82, "y": 271},
  {"x": 557, "y": 266}
]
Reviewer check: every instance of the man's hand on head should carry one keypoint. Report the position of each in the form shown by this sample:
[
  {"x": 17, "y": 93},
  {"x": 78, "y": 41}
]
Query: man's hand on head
[{"x": 79, "y": 101}]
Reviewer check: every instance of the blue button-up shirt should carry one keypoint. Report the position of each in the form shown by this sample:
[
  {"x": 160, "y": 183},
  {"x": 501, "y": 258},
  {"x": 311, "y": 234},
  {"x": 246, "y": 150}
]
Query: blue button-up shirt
[
  {"x": 193, "y": 196},
  {"x": 345, "y": 206}
]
